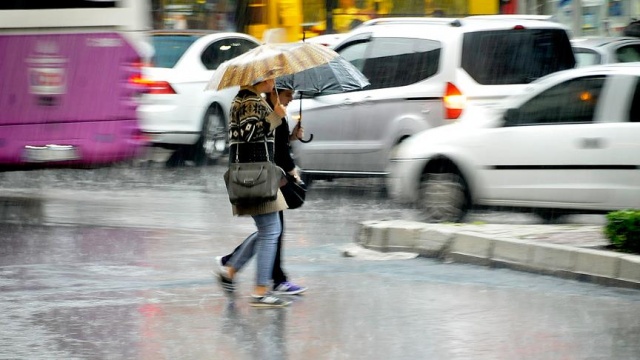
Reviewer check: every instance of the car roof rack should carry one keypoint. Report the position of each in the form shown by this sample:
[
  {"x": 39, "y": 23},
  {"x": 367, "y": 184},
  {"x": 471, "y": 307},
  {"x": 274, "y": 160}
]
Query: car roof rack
[
  {"x": 513, "y": 17},
  {"x": 411, "y": 20}
]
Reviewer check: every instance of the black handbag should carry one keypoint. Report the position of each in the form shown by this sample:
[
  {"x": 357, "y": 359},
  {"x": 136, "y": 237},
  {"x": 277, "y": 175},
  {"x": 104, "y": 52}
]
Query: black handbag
[
  {"x": 253, "y": 182},
  {"x": 294, "y": 192}
]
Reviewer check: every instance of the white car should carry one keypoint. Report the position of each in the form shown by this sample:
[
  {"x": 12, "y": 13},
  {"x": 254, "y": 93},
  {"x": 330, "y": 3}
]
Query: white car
[
  {"x": 328, "y": 40},
  {"x": 176, "y": 112},
  {"x": 570, "y": 142}
]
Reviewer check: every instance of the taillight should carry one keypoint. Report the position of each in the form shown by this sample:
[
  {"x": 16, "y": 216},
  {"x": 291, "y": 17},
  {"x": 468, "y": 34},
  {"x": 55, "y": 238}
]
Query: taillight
[
  {"x": 154, "y": 87},
  {"x": 454, "y": 102}
]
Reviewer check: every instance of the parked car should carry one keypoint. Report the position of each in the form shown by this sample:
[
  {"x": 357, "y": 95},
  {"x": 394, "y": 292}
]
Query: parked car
[
  {"x": 605, "y": 50},
  {"x": 424, "y": 72},
  {"x": 570, "y": 142},
  {"x": 176, "y": 112}
]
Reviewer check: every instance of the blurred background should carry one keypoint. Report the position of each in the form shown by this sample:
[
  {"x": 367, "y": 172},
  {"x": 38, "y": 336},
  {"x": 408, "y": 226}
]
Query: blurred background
[{"x": 315, "y": 17}]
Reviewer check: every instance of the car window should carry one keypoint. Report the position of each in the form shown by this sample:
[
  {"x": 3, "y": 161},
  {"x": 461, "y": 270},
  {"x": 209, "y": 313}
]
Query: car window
[
  {"x": 222, "y": 50},
  {"x": 628, "y": 53},
  {"x": 388, "y": 60},
  {"x": 585, "y": 57},
  {"x": 355, "y": 53},
  {"x": 573, "y": 101},
  {"x": 515, "y": 56},
  {"x": 634, "y": 113},
  {"x": 169, "y": 48}
]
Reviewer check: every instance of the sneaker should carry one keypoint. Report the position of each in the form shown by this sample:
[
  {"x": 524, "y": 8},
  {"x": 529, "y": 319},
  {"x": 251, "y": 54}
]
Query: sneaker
[
  {"x": 221, "y": 268},
  {"x": 268, "y": 301},
  {"x": 289, "y": 288},
  {"x": 225, "y": 281}
]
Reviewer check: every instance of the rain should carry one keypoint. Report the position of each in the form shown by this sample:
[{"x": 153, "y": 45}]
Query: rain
[{"x": 113, "y": 206}]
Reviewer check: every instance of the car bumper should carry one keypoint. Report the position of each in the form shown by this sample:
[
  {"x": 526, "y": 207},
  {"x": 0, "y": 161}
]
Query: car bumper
[
  {"x": 403, "y": 179},
  {"x": 167, "y": 124},
  {"x": 82, "y": 143}
]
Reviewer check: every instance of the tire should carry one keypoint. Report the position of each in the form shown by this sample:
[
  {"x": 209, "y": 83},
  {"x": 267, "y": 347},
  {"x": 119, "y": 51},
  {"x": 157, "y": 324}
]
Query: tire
[
  {"x": 443, "y": 197},
  {"x": 212, "y": 144}
]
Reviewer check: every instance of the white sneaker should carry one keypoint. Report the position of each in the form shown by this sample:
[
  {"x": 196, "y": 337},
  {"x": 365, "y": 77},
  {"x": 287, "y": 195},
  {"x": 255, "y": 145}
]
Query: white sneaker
[
  {"x": 268, "y": 301},
  {"x": 221, "y": 268}
]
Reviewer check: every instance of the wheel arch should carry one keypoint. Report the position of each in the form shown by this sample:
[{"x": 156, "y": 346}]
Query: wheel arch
[
  {"x": 225, "y": 118},
  {"x": 442, "y": 163}
]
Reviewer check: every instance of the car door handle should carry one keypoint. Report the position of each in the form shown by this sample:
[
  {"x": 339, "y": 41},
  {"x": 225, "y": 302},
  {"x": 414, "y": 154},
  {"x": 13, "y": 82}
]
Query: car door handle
[
  {"x": 367, "y": 100},
  {"x": 347, "y": 102},
  {"x": 591, "y": 143}
]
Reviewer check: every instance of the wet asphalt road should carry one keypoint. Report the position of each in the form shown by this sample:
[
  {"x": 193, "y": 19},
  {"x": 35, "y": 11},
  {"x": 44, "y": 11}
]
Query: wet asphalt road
[{"x": 115, "y": 264}]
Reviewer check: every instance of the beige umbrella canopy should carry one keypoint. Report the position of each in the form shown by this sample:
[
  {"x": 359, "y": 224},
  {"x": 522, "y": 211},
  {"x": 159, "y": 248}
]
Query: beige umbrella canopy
[{"x": 269, "y": 61}]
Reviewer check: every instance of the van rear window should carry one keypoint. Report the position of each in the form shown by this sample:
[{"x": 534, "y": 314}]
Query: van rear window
[{"x": 515, "y": 56}]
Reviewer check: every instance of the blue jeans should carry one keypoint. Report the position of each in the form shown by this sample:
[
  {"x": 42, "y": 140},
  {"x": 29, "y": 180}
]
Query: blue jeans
[{"x": 263, "y": 244}]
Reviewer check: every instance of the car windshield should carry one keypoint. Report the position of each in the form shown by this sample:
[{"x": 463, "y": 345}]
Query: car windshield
[
  {"x": 515, "y": 56},
  {"x": 169, "y": 48}
]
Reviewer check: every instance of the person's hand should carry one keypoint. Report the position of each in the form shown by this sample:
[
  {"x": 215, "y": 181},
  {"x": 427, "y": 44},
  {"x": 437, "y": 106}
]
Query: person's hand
[
  {"x": 297, "y": 133},
  {"x": 280, "y": 109},
  {"x": 295, "y": 175}
]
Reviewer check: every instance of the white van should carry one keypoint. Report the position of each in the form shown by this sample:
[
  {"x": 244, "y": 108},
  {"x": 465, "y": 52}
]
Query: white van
[{"x": 423, "y": 72}]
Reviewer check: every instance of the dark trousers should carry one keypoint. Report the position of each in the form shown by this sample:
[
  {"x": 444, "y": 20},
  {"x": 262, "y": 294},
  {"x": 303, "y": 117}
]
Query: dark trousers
[{"x": 278, "y": 274}]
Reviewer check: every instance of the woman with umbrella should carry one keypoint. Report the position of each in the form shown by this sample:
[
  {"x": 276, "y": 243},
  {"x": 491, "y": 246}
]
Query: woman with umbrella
[
  {"x": 252, "y": 122},
  {"x": 282, "y": 157}
]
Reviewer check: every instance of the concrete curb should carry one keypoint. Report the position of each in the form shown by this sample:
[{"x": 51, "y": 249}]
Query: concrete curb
[{"x": 457, "y": 244}]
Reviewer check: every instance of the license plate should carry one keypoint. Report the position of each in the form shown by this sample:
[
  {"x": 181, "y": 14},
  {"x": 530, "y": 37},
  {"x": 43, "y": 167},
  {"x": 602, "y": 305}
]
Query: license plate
[{"x": 50, "y": 153}]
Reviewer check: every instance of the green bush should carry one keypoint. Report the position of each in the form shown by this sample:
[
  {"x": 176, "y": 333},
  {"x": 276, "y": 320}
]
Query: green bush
[{"x": 623, "y": 230}]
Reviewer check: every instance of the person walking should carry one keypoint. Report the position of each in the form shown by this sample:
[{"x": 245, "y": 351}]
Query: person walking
[
  {"x": 253, "y": 121},
  {"x": 281, "y": 284}
]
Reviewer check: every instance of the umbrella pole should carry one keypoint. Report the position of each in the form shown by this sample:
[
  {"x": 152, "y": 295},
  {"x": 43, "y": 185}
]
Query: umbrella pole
[
  {"x": 304, "y": 36},
  {"x": 300, "y": 121}
]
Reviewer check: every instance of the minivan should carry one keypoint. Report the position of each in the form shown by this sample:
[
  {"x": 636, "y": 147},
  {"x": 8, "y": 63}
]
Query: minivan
[{"x": 424, "y": 73}]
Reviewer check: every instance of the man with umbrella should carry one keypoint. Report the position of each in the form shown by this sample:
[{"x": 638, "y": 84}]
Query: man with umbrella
[{"x": 282, "y": 157}]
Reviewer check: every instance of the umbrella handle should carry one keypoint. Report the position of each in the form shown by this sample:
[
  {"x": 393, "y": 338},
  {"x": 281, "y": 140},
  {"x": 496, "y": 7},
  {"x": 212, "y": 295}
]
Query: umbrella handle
[{"x": 300, "y": 121}]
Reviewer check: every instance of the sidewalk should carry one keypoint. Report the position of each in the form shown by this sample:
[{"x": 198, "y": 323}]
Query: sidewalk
[{"x": 570, "y": 251}]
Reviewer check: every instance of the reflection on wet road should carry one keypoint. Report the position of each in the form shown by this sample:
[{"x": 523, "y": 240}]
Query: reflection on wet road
[{"x": 119, "y": 267}]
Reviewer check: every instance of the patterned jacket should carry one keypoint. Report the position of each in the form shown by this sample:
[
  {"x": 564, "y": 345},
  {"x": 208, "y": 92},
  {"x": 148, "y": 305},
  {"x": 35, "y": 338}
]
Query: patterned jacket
[{"x": 251, "y": 122}]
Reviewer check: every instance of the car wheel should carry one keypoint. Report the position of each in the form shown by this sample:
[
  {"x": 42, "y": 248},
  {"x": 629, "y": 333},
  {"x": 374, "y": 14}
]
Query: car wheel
[
  {"x": 443, "y": 197},
  {"x": 212, "y": 144}
]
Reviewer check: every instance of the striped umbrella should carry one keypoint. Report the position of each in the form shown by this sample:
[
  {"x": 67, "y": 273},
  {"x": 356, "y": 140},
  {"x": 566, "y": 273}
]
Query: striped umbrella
[{"x": 269, "y": 61}]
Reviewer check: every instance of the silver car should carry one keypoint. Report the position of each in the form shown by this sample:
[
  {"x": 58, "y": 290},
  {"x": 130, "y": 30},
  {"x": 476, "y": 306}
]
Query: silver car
[
  {"x": 605, "y": 50},
  {"x": 423, "y": 73}
]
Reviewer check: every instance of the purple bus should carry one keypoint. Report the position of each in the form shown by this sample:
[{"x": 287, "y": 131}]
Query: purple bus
[{"x": 68, "y": 94}]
